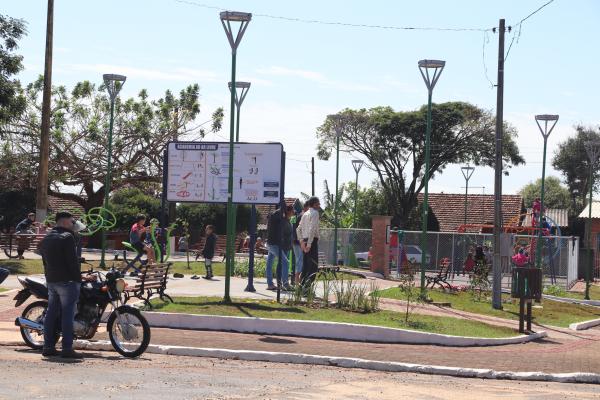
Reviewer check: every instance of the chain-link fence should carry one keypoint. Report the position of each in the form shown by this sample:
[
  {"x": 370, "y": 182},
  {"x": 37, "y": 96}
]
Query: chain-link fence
[{"x": 559, "y": 254}]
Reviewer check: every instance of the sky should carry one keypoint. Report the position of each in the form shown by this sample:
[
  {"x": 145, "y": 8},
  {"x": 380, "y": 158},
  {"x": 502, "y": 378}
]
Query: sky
[{"x": 301, "y": 72}]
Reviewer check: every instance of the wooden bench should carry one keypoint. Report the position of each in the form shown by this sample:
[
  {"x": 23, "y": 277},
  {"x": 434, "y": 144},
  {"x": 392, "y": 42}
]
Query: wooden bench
[
  {"x": 220, "y": 247},
  {"x": 152, "y": 280},
  {"x": 326, "y": 268},
  {"x": 10, "y": 242},
  {"x": 442, "y": 275}
]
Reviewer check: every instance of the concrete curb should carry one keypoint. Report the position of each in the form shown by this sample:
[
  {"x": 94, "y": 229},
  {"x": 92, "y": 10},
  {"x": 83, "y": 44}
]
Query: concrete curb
[
  {"x": 323, "y": 330},
  {"x": 591, "y": 303},
  {"x": 579, "y": 326},
  {"x": 347, "y": 362}
]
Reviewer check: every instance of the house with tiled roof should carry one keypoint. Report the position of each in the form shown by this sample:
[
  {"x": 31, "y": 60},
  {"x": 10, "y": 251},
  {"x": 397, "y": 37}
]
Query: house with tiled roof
[
  {"x": 449, "y": 209},
  {"x": 56, "y": 204},
  {"x": 265, "y": 209}
]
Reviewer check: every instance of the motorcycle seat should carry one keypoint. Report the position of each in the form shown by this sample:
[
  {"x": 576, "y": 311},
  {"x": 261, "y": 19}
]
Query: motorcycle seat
[{"x": 36, "y": 281}]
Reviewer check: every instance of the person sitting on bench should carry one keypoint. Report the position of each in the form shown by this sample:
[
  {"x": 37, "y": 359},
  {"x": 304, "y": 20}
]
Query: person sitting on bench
[{"x": 135, "y": 238}]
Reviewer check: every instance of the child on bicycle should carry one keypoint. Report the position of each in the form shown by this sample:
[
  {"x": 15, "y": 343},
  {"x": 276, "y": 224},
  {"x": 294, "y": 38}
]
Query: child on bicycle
[{"x": 209, "y": 250}]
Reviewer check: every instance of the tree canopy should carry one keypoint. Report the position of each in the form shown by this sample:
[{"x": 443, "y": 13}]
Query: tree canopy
[
  {"x": 79, "y": 138},
  {"x": 12, "y": 101},
  {"x": 572, "y": 161},
  {"x": 555, "y": 196},
  {"x": 393, "y": 145}
]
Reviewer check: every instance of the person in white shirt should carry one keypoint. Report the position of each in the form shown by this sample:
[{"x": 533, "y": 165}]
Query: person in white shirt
[{"x": 308, "y": 234}]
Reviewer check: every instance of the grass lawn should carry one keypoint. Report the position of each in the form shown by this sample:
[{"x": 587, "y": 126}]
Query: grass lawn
[
  {"x": 31, "y": 267},
  {"x": 270, "y": 309},
  {"x": 594, "y": 293},
  {"x": 553, "y": 312},
  {"x": 3, "y": 290}
]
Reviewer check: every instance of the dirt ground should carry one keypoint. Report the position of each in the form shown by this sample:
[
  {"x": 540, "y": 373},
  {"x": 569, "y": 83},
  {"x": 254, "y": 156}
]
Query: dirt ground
[{"x": 101, "y": 375}]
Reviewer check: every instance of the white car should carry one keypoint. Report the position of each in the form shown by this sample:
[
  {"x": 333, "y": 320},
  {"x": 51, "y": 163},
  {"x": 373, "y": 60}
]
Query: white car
[{"x": 413, "y": 254}]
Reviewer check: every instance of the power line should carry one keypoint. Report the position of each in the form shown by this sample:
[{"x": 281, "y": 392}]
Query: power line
[
  {"x": 340, "y": 23},
  {"x": 520, "y": 26}
]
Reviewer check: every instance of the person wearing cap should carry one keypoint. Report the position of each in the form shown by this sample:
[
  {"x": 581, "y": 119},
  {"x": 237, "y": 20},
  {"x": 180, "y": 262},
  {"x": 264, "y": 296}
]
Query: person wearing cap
[
  {"x": 24, "y": 229},
  {"x": 63, "y": 278}
]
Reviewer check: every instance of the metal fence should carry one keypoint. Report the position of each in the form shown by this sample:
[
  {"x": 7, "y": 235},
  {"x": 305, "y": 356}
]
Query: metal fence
[{"x": 560, "y": 254}]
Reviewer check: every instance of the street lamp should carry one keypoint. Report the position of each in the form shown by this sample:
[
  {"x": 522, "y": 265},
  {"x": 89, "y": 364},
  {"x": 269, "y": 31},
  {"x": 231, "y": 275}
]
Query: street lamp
[
  {"x": 553, "y": 119},
  {"x": 467, "y": 172},
  {"x": 593, "y": 151},
  {"x": 430, "y": 71},
  {"x": 227, "y": 18},
  {"x": 241, "y": 90},
  {"x": 113, "y": 84},
  {"x": 338, "y": 132},
  {"x": 357, "y": 165}
]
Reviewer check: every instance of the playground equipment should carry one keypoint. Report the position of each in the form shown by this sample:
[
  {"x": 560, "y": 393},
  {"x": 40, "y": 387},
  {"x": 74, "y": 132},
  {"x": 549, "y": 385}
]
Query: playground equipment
[{"x": 525, "y": 229}]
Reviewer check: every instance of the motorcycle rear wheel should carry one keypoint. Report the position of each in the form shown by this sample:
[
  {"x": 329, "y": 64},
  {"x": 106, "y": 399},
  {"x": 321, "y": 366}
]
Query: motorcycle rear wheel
[
  {"x": 122, "y": 334},
  {"x": 36, "y": 312}
]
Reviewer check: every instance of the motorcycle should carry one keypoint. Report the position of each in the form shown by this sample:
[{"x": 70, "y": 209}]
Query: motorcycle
[{"x": 128, "y": 330}]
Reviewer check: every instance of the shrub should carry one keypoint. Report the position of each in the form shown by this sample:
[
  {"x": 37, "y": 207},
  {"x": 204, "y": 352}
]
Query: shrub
[{"x": 240, "y": 268}]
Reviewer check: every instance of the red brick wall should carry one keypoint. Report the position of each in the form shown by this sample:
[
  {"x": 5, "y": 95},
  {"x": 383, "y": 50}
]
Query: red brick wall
[{"x": 380, "y": 249}]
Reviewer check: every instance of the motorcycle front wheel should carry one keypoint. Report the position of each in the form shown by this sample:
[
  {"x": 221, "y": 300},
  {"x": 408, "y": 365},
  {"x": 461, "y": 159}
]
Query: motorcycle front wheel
[{"x": 129, "y": 332}]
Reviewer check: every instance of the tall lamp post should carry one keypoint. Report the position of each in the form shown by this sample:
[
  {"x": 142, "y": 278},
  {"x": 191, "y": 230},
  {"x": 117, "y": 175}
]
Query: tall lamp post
[
  {"x": 467, "y": 172},
  {"x": 227, "y": 18},
  {"x": 113, "y": 83},
  {"x": 593, "y": 151},
  {"x": 336, "y": 222},
  {"x": 357, "y": 165},
  {"x": 430, "y": 71},
  {"x": 546, "y": 119},
  {"x": 241, "y": 90}
]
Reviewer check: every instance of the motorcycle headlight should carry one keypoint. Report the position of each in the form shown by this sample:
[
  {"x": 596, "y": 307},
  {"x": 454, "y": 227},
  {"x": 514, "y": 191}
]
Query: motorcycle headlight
[{"x": 120, "y": 285}]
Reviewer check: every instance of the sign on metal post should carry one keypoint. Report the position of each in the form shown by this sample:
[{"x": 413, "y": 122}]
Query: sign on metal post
[{"x": 198, "y": 172}]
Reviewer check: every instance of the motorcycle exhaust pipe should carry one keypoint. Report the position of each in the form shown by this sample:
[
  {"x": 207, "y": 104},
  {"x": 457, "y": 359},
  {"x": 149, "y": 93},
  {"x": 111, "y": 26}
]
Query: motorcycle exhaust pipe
[{"x": 29, "y": 324}]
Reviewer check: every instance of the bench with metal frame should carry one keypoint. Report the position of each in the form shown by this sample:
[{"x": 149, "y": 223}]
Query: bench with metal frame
[
  {"x": 152, "y": 280},
  {"x": 441, "y": 277}
]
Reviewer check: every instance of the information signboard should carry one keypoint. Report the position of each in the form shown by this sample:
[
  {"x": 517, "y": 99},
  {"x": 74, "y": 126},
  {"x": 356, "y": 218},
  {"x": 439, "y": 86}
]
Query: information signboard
[{"x": 198, "y": 172}]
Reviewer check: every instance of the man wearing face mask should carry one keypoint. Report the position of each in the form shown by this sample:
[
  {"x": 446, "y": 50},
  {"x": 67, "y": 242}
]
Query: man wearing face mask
[{"x": 63, "y": 278}]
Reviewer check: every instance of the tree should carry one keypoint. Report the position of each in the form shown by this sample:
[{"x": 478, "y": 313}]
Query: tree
[
  {"x": 12, "y": 102},
  {"x": 572, "y": 161},
  {"x": 200, "y": 215},
  {"x": 371, "y": 201},
  {"x": 79, "y": 139},
  {"x": 127, "y": 203},
  {"x": 556, "y": 195},
  {"x": 390, "y": 140}
]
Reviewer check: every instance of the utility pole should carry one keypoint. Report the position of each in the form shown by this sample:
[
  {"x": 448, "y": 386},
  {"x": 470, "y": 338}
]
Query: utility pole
[
  {"x": 41, "y": 198},
  {"x": 497, "y": 267},
  {"x": 312, "y": 172},
  {"x": 172, "y": 204}
]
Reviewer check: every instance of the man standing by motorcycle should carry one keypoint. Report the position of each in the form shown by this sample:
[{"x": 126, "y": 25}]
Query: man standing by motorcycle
[{"x": 63, "y": 278}]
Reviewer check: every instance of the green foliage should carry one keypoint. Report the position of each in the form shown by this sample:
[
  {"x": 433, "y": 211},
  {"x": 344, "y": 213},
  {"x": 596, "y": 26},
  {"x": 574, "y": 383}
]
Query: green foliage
[
  {"x": 241, "y": 268},
  {"x": 556, "y": 195},
  {"x": 371, "y": 201},
  {"x": 479, "y": 283},
  {"x": 409, "y": 290},
  {"x": 390, "y": 140},
  {"x": 15, "y": 205},
  {"x": 79, "y": 137},
  {"x": 127, "y": 203},
  {"x": 572, "y": 161},
  {"x": 555, "y": 290},
  {"x": 12, "y": 101},
  {"x": 200, "y": 215}
]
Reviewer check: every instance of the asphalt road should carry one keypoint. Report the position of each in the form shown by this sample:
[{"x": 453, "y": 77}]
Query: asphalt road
[{"x": 101, "y": 375}]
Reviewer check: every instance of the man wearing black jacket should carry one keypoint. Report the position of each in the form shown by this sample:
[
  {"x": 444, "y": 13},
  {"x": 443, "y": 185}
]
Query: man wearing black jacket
[{"x": 63, "y": 278}]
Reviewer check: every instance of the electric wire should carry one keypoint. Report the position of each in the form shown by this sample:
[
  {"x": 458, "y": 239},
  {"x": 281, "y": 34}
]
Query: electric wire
[{"x": 340, "y": 23}]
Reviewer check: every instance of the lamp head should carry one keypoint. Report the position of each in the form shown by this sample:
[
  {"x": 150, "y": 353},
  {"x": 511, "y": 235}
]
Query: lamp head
[
  {"x": 113, "y": 83},
  {"x": 235, "y": 16},
  {"x": 357, "y": 165},
  {"x": 432, "y": 64},
  {"x": 546, "y": 117},
  {"x": 240, "y": 85},
  {"x": 467, "y": 171}
]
